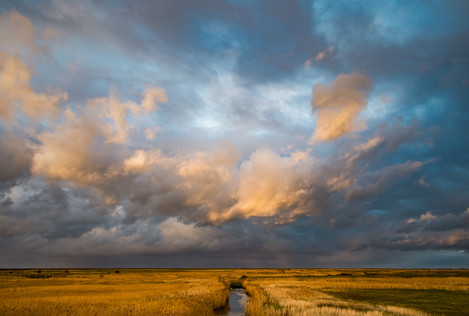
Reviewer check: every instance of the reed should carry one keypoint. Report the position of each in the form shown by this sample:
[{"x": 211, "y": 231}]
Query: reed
[{"x": 206, "y": 292}]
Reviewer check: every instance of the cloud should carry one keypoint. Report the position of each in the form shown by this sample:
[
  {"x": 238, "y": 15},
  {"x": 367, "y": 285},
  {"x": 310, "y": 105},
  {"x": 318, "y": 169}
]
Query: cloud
[
  {"x": 325, "y": 53},
  {"x": 150, "y": 133},
  {"x": 423, "y": 182},
  {"x": 428, "y": 216},
  {"x": 151, "y": 96},
  {"x": 343, "y": 172},
  {"x": 232, "y": 181},
  {"x": 15, "y": 155},
  {"x": 271, "y": 185},
  {"x": 358, "y": 151},
  {"x": 319, "y": 57},
  {"x": 209, "y": 187},
  {"x": 117, "y": 111},
  {"x": 209, "y": 178},
  {"x": 373, "y": 182},
  {"x": 16, "y": 94},
  {"x": 339, "y": 105},
  {"x": 142, "y": 160},
  {"x": 97, "y": 130},
  {"x": 18, "y": 36},
  {"x": 191, "y": 185},
  {"x": 179, "y": 235},
  {"x": 143, "y": 236},
  {"x": 437, "y": 222},
  {"x": 74, "y": 150},
  {"x": 18, "y": 41}
]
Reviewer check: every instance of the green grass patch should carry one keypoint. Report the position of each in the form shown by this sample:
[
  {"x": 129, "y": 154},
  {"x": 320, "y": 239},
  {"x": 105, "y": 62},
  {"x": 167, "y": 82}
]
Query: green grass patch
[
  {"x": 430, "y": 301},
  {"x": 349, "y": 308}
]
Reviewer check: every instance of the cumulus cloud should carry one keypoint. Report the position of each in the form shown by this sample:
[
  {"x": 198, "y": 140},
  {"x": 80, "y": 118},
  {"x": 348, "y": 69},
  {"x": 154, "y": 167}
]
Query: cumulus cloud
[
  {"x": 97, "y": 130},
  {"x": 209, "y": 187},
  {"x": 208, "y": 179},
  {"x": 338, "y": 105},
  {"x": 16, "y": 93},
  {"x": 142, "y": 160},
  {"x": 215, "y": 187},
  {"x": 428, "y": 216},
  {"x": 271, "y": 185},
  {"x": 74, "y": 150},
  {"x": 18, "y": 41}
]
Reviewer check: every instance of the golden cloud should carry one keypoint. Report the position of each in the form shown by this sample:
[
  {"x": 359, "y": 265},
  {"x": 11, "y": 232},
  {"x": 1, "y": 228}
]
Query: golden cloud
[{"x": 338, "y": 105}]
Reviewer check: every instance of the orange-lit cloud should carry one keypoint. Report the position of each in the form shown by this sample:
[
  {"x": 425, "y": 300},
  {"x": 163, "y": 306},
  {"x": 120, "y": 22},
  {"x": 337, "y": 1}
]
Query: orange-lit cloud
[
  {"x": 81, "y": 147},
  {"x": 271, "y": 185},
  {"x": 208, "y": 178},
  {"x": 117, "y": 111},
  {"x": 338, "y": 105},
  {"x": 18, "y": 40},
  {"x": 72, "y": 151},
  {"x": 428, "y": 216},
  {"x": 142, "y": 160},
  {"x": 16, "y": 93},
  {"x": 325, "y": 53},
  {"x": 18, "y": 36},
  {"x": 151, "y": 96},
  {"x": 320, "y": 57}
]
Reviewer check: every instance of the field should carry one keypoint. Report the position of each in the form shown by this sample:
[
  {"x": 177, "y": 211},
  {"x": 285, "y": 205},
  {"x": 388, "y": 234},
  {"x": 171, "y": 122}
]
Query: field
[{"x": 206, "y": 291}]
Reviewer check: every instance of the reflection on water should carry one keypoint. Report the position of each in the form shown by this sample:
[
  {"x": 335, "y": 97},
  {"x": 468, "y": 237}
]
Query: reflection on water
[{"x": 238, "y": 301}]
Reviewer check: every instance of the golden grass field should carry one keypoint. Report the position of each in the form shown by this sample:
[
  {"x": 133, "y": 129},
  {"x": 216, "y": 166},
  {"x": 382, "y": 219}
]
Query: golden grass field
[{"x": 205, "y": 291}]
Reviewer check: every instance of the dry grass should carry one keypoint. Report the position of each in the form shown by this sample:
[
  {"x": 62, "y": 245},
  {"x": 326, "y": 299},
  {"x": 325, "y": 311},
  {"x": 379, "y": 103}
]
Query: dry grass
[
  {"x": 204, "y": 292},
  {"x": 334, "y": 292},
  {"x": 85, "y": 292}
]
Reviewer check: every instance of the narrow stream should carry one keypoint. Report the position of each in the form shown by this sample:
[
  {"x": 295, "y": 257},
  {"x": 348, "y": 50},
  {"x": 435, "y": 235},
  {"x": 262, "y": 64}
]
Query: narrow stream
[{"x": 237, "y": 302}]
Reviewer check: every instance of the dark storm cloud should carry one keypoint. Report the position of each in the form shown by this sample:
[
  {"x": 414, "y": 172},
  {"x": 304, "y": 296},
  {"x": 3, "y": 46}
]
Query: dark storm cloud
[{"x": 218, "y": 170}]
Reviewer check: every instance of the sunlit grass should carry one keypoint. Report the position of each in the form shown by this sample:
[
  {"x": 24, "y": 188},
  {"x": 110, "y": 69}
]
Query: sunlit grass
[
  {"x": 98, "y": 292},
  {"x": 205, "y": 292}
]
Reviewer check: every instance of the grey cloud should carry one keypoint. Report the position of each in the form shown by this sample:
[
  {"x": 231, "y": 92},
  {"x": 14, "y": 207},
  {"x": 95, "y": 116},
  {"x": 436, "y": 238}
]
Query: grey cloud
[
  {"x": 375, "y": 181},
  {"x": 15, "y": 155}
]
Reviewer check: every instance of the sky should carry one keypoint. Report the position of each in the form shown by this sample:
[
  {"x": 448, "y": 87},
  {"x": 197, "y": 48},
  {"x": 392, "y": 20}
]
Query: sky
[{"x": 321, "y": 134}]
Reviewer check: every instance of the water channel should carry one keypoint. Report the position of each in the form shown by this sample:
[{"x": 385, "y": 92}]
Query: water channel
[{"x": 238, "y": 300}]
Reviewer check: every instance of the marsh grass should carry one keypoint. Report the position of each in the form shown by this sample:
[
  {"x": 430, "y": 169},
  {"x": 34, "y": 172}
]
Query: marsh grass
[
  {"x": 359, "y": 292},
  {"x": 97, "y": 292},
  {"x": 205, "y": 292},
  {"x": 431, "y": 301}
]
